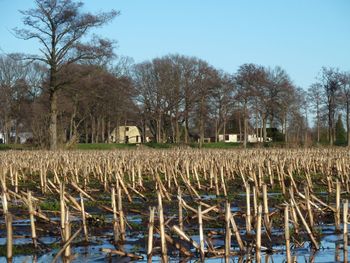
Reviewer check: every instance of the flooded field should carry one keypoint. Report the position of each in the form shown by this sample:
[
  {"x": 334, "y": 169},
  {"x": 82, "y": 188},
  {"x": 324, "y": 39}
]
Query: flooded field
[{"x": 207, "y": 205}]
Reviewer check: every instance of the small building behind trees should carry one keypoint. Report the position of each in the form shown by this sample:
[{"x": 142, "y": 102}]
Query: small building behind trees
[
  {"x": 2, "y": 138},
  {"x": 252, "y": 138},
  {"x": 128, "y": 134},
  {"x": 13, "y": 137},
  {"x": 228, "y": 138}
]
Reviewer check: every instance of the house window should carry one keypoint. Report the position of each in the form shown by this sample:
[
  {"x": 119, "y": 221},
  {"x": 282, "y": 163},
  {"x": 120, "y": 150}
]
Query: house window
[
  {"x": 227, "y": 137},
  {"x": 137, "y": 138},
  {"x": 127, "y": 129}
]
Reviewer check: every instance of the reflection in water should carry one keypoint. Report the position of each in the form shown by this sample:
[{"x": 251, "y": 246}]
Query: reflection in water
[
  {"x": 345, "y": 255},
  {"x": 337, "y": 252}
]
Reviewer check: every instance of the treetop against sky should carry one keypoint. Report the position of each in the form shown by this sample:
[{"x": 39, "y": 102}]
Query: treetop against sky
[{"x": 300, "y": 36}]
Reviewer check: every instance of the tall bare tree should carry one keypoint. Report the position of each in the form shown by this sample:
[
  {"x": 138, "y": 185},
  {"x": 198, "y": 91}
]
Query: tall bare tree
[
  {"x": 345, "y": 95},
  {"x": 59, "y": 26},
  {"x": 149, "y": 97},
  {"x": 315, "y": 99},
  {"x": 330, "y": 82},
  {"x": 188, "y": 67},
  {"x": 247, "y": 80},
  {"x": 205, "y": 81},
  {"x": 283, "y": 97},
  {"x": 222, "y": 102},
  {"x": 262, "y": 101},
  {"x": 13, "y": 90}
]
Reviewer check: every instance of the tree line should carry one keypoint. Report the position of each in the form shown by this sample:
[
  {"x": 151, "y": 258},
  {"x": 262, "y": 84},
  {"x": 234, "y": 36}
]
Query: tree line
[{"x": 75, "y": 91}]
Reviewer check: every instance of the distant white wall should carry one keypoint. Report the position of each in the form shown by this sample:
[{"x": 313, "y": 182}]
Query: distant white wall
[
  {"x": 22, "y": 137},
  {"x": 254, "y": 138},
  {"x": 228, "y": 138},
  {"x": 234, "y": 138}
]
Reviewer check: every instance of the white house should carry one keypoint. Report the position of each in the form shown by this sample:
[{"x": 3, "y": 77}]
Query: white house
[
  {"x": 228, "y": 138},
  {"x": 254, "y": 138},
  {"x": 23, "y": 137},
  {"x": 2, "y": 138},
  {"x": 127, "y": 134}
]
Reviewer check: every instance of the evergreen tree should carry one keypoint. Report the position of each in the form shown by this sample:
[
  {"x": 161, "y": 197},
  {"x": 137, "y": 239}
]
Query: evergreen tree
[{"x": 340, "y": 133}]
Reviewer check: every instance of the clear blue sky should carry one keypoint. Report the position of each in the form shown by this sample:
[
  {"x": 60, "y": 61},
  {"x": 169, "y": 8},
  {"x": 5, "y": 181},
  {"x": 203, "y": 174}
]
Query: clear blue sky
[{"x": 299, "y": 35}]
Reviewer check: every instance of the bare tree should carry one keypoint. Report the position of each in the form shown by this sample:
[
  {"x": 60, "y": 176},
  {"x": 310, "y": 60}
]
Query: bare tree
[
  {"x": 122, "y": 66},
  {"x": 301, "y": 105},
  {"x": 222, "y": 102},
  {"x": 261, "y": 102},
  {"x": 188, "y": 67},
  {"x": 284, "y": 97},
  {"x": 13, "y": 90},
  {"x": 331, "y": 87},
  {"x": 59, "y": 26},
  {"x": 148, "y": 96},
  {"x": 345, "y": 94},
  {"x": 205, "y": 81},
  {"x": 314, "y": 95},
  {"x": 247, "y": 79}
]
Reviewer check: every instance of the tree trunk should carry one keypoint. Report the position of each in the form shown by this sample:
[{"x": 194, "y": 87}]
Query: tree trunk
[
  {"x": 86, "y": 132},
  {"x": 157, "y": 131},
  {"x": 201, "y": 123},
  {"x": 330, "y": 135},
  {"x": 53, "y": 120},
  {"x": 264, "y": 119},
  {"x": 305, "y": 137},
  {"x": 92, "y": 129},
  {"x": 71, "y": 126},
  {"x": 109, "y": 131},
  {"x": 285, "y": 130},
  {"x": 3, "y": 130},
  {"x": 159, "y": 120},
  {"x": 348, "y": 122},
  {"x": 318, "y": 125},
  {"x": 172, "y": 127},
  {"x": 330, "y": 127},
  {"x": 70, "y": 129},
  {"x": 117, "y": 133},
  {"x": 7, "y": 130},
  {"x": 103, "y": 130},
  {"x": 224, "y": 127},
  {"x": 257, "y": 124},
  {"x": 16, "y": 133},
  {"x": 240, "y": 127},
  {"x": 177, "y": 129},
  {"x": 143, "y": 137},
  {"x": 186, "y": 129},
  {"x": 98, "y": 129},
  {"x": 245, "y": 126},
  {"x": 216, "y": 130},
  {"x": 164, "y": 135},
  {"x": 306, "y": 130},
  {"x": 124, "y": 139},
  {"x": 201, "y": 132}
]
